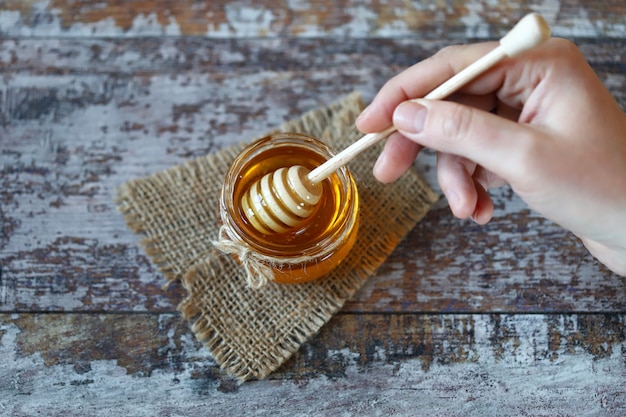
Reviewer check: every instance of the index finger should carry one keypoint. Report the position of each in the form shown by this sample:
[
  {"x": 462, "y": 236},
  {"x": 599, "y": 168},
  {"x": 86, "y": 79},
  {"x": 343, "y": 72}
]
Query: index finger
[{"x": 417, "y": 81}]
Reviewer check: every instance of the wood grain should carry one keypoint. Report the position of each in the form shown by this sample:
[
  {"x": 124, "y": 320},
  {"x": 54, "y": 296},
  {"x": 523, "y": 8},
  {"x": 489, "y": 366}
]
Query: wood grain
[
  {"x": 146, "y": 364},
  {"x": 453, "y": 19},
  {"x": 510, "y": 318},
  {"x": 71, "y": 134}
]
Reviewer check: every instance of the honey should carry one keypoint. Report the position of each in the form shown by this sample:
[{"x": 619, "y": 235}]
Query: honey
[{"x": 314, "y": 248}]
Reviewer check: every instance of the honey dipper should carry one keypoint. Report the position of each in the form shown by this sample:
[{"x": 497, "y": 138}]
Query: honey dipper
[{"x": 285, "y": 198}]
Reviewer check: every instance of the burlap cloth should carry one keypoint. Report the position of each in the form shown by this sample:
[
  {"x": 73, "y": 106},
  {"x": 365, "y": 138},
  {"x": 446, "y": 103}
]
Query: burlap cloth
[{"x": 251, "y": 332}]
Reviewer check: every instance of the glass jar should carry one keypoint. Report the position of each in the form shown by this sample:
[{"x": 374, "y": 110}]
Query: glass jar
[{"x": 312, "y": 249}]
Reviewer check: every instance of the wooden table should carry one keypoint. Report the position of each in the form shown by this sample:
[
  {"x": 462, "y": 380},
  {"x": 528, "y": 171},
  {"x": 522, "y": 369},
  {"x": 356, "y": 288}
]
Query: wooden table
[{"x": 513, "y": 318}]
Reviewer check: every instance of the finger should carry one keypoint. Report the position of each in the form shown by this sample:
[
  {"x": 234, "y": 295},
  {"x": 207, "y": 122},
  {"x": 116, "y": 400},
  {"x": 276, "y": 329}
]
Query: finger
[
  {"x": 398, "y": 151},
  {"x": 466, "y": 194},
  {"x": 501, "y": 146},
  {"x": 487, "y": 178},
  {"x": 397, "y": 156},
  {"x": 417, "y": 81},
  {"x": 454, "y": 174},
  {"x": 484, "y": 205},
  {"x": 513, "y": 80}
]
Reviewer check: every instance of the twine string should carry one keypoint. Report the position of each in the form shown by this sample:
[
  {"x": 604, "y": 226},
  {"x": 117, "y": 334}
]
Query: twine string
[
  {"x": 260, "y": 268},
  {"x": 258, "y": 273}
]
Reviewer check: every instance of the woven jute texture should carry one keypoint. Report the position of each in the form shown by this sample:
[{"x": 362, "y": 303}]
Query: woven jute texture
[{"x": 251, "y": 332}]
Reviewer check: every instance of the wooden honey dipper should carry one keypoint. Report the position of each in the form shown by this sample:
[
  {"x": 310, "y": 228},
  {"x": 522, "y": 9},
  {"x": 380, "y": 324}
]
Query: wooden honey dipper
[{"x": 285, "y": 198}]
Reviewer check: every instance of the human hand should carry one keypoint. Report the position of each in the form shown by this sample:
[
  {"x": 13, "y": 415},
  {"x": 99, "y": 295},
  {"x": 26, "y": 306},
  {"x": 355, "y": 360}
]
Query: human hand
[{"x": 541, "y": 122}]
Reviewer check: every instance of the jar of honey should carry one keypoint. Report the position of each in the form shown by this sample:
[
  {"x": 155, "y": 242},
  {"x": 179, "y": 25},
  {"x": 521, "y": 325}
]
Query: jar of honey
[{"x": 322, "y": 241}]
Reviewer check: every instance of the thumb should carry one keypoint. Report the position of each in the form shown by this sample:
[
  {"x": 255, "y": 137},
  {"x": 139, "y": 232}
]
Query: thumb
[{"x": 498, "y": 144}]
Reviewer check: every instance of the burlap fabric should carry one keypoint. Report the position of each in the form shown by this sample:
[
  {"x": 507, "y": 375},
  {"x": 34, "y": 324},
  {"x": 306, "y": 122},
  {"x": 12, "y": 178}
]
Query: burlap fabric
[{"x": 251, "y": 332}]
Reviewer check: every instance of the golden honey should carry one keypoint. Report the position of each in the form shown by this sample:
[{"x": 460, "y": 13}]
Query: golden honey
[{"x": 314, "y": 248}]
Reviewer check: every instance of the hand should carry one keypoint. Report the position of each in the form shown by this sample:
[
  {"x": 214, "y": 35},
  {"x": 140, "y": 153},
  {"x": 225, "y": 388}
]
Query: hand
[{"x": 541, "y": 122}]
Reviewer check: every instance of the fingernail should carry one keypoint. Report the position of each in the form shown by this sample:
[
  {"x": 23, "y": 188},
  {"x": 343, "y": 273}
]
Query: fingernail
[
  {"x": 363, "y": 113},
  {"x": 410, "y": 117},
  {"x": 380, "y": 161},
  {"x": 453, "y": 199}
]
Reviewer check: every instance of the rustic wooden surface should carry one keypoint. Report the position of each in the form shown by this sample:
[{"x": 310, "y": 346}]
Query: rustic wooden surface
[{"x": 513, "y": 318}]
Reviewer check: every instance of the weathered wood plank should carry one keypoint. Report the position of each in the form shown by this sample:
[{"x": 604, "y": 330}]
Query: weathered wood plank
[
  {"x": 96, "y": 92},
  {"x": 456, "y": 19},
  {"x": 397, "y": 364},
  {"x": 150, "y": 56},
  {"x": 70, "y": 132},
  {"x": 518, "y": 263}
]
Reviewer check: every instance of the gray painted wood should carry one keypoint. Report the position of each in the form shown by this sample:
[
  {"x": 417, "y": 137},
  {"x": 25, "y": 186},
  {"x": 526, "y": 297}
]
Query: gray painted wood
[
  {"x": 448, "y": 365},
  {"x": 512, "y": 318}
]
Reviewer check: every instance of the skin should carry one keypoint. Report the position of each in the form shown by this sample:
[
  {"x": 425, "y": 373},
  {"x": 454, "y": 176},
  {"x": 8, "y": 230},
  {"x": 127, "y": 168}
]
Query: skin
[{"x": 542, "y": 123}]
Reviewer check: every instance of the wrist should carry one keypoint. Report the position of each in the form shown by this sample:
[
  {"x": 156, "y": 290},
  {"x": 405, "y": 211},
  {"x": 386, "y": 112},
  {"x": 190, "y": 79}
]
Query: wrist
[{"x": 612, "y": 257}]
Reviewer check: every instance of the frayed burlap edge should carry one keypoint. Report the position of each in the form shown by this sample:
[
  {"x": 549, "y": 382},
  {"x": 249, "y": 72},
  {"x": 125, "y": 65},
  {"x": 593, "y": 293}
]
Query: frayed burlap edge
[{"x": 250, "y": 333}]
